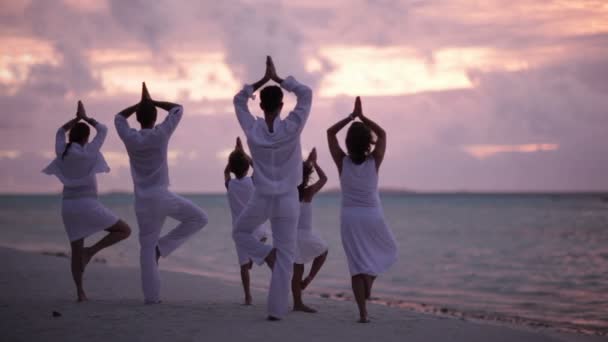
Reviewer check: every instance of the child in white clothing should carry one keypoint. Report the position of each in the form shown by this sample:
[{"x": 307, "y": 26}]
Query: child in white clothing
[{"x": 239, "y": 190}]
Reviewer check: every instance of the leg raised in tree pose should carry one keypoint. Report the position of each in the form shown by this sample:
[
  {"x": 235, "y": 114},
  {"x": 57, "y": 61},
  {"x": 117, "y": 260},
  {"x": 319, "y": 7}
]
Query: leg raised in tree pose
[
  {"x": 239, "y": 191},
  {"x": 76, "y": 164},
  {"x": 275, "y": 149},
  {"x": 154, "y": 202},
  {"x": 310, "y": 247},
  {"x": 368, "y": 242}
]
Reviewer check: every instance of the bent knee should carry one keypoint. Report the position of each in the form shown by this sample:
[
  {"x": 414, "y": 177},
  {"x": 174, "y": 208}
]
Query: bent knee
[
  {"x": 201, "y": 219},
  {"x": 122, "y": 229}
]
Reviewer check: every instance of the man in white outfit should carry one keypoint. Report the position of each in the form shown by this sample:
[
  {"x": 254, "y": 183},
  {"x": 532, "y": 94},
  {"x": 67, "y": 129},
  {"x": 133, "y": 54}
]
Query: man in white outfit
[
  {"x": 147, "y": 149},
  {"x": 277, "y": 158}
]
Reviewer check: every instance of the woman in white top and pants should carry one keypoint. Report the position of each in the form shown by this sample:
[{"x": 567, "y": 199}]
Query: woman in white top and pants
[
  {"x": 368, "y": 242},
  {"x": 76, "y": 165}
]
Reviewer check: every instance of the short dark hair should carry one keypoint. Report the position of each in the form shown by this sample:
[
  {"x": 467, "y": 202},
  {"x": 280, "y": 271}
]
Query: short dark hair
[
  {"x": 238, "y": 164},
  {"x": 359, "y": 141},
  {"x": 146, "y": 113},
  {"x": 271, "y": 97}
]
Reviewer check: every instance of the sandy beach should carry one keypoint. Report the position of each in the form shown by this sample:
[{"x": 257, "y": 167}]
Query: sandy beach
[{"x": 196, "y": 308}]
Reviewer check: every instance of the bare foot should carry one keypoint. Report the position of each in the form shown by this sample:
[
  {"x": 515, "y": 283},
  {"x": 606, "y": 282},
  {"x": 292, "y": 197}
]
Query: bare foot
[
  {"x": 304, "y": 308},
  {"x": 363, "y": 320},
  {"x": 271, "y": 258},
  {"x": 248, "y": 300},
  {"x": 157, "y": 254},
  {"x": 82, "y": 297},
  {"x": 272, "y": 318}
]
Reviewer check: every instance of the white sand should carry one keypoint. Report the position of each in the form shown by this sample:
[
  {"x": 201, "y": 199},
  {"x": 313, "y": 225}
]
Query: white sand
[{"x": 195, "y": 308}]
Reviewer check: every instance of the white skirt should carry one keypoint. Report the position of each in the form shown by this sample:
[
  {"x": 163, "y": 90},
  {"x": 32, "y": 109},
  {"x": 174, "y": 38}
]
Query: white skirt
[
  {"x": 368, "y": 242},
  {"x": 85, "y": 216},
  {"x": 309, "y": 246}
]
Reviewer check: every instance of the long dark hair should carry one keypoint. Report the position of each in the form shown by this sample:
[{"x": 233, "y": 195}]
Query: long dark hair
[
  {"x": 359, "y": 141},
  {"x": 306, "y": 173},
  {"x": 78, "y": 134}
]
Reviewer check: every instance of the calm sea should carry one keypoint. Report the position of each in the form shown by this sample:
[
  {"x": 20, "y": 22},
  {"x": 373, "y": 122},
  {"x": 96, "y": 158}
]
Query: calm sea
[{"x": 540, "y": 258}]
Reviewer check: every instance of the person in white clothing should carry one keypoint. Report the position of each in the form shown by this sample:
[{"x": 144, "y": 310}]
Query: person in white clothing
[
  {"x": 239, "y": 191},
  {"x": 309, "y": 247},
  {"x": 369, "y": 244},
  {"x": 147, "y": 149},
  {"x": 76, "y": 164},
  {"x": 275, "y": 148}
]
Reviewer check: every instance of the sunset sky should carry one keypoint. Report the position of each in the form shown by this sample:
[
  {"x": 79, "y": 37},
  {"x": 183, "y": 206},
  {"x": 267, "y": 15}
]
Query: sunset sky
[{"x": 475, "y": 95}]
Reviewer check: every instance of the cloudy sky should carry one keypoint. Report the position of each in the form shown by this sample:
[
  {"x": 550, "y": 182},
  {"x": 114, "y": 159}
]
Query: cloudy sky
[{"x": 475, "y": 95}]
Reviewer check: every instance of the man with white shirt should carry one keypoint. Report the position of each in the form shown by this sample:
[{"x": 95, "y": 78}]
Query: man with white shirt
[
  {"x": 277, "y": 159},
  {"x": 147, "y": 149}
]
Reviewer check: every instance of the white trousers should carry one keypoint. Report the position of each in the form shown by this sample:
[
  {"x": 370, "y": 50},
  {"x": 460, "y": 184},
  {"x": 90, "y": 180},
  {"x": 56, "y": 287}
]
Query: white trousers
[
  {"x": 283, "y": 212},
  {"x": 151, "y": 212}
]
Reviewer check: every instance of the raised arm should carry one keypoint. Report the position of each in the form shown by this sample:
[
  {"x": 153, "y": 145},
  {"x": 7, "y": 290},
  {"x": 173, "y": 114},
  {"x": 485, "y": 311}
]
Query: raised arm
[
  {"x": 337, "y": 154},
  {"x": 127, "y": 112},
  {"x": 122, "y": 124},
  {"x": 297, "y": 118},
  {"x": 318, "y": 185},
  {"x": 227, "y": 176},
  {"x": 60, "y": 142},
  {"x": 241, "y": 108},
  {"x": 102, "y": 130},
  {"x": 172, "y": 119},
  {"x": 380, "y": 148}
]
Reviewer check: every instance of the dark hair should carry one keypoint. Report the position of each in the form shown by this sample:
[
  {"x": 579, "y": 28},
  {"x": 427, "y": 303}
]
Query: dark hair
[
  {"x": 78, "y": 134},
  {"x": 146, "y": 114},
  {"x": 271, "y": 97},
  {"x": 359, "y": 141},
  {"x": 238, "y": 163},
  {"x": 306, "y": 173}
]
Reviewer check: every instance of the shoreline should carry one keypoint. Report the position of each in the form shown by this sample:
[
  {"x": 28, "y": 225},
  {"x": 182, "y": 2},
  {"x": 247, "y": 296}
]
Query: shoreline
[{"x": 437, "y": 312}]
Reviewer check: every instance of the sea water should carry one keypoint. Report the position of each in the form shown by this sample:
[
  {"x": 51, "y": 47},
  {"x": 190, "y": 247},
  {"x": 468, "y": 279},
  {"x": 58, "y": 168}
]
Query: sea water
[{"x": 537, "y": 257}]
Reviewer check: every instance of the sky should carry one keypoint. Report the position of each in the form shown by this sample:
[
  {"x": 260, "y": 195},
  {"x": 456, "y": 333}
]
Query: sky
[{"x": 489, "y": 95}]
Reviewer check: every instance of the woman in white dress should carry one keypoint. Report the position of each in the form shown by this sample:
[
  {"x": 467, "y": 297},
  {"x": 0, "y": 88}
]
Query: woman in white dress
[
  {"x": 368, "y": 242},
  {"x": 309, "y": 246},
  {"x": 239, "y": 191},
  {"x": 76, "y": 164}
]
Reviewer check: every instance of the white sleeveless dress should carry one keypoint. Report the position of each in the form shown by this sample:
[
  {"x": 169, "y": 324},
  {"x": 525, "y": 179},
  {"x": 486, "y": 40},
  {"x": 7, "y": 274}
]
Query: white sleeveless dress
[
  {"x": 309, "y": 245},
  {"x": 82, "y": 213},
  {"x": 239, "y": 193},
  {"x": 368, "y": 242}
]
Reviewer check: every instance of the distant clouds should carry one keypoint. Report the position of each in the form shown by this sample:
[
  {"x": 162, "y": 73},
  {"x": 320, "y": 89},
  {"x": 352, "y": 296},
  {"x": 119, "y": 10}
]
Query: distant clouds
[{"x": 488, "y": 95}]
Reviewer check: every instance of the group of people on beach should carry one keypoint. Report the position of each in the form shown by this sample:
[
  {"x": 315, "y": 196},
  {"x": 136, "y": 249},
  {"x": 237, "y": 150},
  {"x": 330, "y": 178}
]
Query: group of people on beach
[{"x": 278, "y": 195}]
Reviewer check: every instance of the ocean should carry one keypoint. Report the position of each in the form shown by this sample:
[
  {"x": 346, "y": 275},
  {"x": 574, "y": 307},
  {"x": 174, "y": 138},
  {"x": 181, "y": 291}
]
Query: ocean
[{"x": 535, "y": 259}]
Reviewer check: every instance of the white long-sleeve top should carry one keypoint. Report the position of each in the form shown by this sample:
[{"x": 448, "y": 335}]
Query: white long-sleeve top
[
  {"x": 277, "y": 155},
  {"x": 147, "y": 149},
  {"x": 78, "y": 168},
  {"x": 239, "y": 192}
]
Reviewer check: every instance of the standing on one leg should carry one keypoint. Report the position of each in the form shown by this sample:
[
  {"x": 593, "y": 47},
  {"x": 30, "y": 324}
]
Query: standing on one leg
[
  {"x": 154, "y": 202},
  {"x": 368, "y": 242},
  {"x": 309, "y": 247},
  {"x": 76, "y": 164},
  {"x": 275, "y": 147},
  {"x": 239, "y": 191}
]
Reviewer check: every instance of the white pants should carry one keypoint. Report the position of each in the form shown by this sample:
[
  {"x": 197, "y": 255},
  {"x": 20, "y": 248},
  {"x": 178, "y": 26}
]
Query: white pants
[
  {"x": 151, "y": 212},
  {"x": 283, "y": 212}
]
